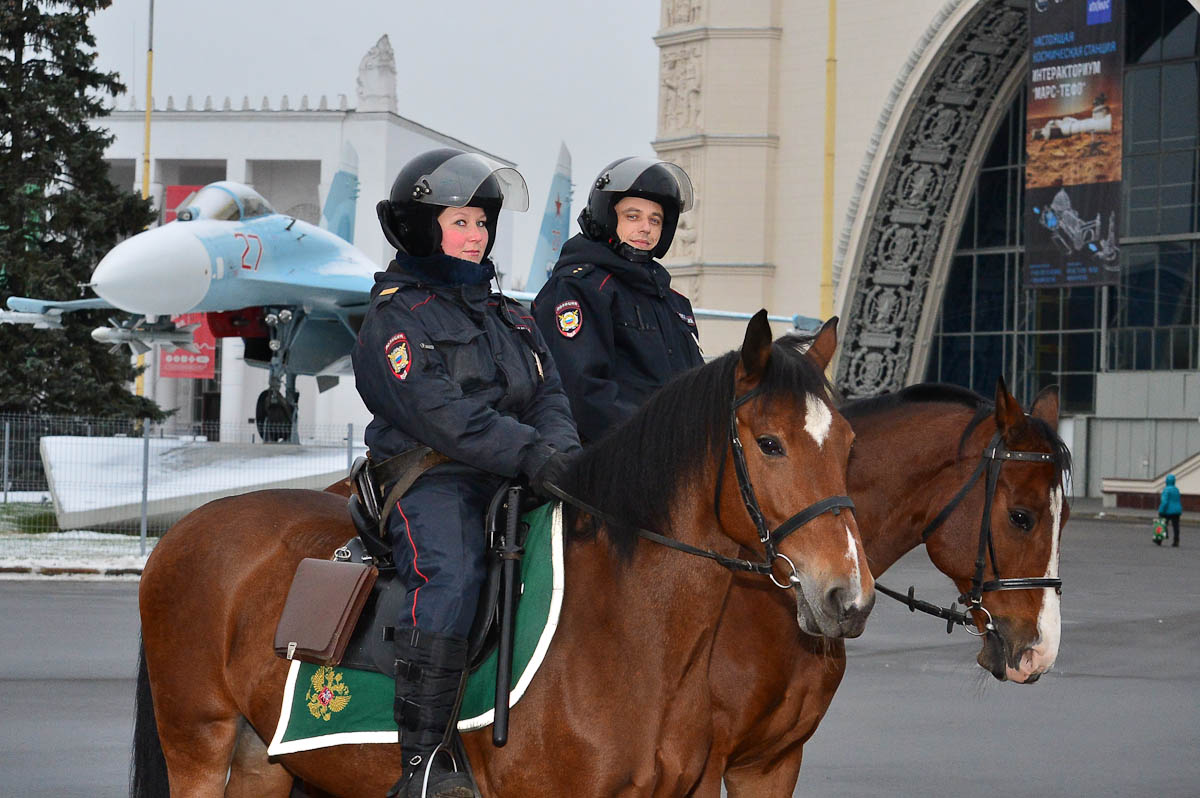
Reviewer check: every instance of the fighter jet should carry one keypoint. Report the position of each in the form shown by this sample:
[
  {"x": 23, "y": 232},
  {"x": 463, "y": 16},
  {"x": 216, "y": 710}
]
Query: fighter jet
[
  {"x": 294, "y": 292},
  {"x": 555, "y": 223}
]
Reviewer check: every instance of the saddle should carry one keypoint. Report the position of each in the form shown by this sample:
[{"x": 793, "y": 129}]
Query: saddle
[{"x": 370, "y": 646}]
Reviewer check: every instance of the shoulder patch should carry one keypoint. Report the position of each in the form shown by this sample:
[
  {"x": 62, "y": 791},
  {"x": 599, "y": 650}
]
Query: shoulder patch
[
  {"x": 399, "y": 355},
  {"x": 688, "y": 320},
  {"x": 569, "y": 317}
]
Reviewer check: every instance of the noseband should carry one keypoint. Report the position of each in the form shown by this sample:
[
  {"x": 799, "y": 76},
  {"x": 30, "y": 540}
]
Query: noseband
[
  {"x": 994, "y": 456},
  {"x": 769, "y": 539}
]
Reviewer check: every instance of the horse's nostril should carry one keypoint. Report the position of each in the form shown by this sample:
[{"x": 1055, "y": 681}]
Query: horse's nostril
[{"x": 843, "y": 603}]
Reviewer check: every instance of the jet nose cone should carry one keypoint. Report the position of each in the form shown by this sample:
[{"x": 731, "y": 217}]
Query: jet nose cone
[{"x": 165, "y": 271}]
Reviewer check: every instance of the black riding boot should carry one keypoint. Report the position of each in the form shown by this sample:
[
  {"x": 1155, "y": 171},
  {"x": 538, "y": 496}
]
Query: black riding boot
[{"x": 429, "y": 671}]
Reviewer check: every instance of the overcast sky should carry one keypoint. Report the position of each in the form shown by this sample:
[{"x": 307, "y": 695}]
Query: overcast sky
[{"x": 514, "y": 79}]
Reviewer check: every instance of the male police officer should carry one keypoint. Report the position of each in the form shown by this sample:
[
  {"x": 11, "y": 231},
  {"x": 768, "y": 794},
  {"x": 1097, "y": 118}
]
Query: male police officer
[{"x": 614, "y": 326}]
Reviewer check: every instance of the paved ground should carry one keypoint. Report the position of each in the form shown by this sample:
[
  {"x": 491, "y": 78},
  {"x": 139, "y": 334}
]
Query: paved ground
[{"x": 1119, "y": 716}]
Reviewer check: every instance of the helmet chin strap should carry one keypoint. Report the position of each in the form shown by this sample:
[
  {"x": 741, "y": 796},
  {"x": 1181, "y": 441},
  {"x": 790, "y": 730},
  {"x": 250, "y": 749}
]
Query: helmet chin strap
[{"x": 630, "y": 253}]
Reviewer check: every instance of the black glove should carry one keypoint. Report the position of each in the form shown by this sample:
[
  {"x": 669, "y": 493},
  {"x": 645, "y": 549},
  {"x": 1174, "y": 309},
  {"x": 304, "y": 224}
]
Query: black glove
[{"x": 550, "y": 472}]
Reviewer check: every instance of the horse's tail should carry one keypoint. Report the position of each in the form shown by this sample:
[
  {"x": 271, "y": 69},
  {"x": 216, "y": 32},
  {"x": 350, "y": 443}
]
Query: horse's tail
[{"x": 148, "y": 771}]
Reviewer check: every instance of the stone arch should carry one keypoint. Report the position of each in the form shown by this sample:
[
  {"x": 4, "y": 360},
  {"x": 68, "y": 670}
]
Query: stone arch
[{"x": 906, "y": 236}]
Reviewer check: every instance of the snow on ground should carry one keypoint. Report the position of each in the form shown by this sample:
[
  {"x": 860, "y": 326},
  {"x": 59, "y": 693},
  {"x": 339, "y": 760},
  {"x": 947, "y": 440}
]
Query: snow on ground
[{"x": 104, "y": 553}]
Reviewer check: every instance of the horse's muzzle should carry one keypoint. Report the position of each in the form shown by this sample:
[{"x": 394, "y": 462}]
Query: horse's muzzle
[{"x": 839, "y": 612}]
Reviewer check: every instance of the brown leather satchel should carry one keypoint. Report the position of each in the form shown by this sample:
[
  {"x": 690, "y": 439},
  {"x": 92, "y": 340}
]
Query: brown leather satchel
[{"x": 322, "y": 607}]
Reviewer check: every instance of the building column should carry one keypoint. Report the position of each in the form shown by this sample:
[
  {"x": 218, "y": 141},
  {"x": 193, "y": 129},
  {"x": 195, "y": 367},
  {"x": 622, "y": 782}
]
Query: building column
[{"x": 717, "y": 121}]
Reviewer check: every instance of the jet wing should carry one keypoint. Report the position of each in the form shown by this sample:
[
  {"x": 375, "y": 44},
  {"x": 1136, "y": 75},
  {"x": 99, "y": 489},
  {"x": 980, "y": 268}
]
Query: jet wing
[
  {"x": 44, "y": 314},
  {"x": 43, "y": 306}
]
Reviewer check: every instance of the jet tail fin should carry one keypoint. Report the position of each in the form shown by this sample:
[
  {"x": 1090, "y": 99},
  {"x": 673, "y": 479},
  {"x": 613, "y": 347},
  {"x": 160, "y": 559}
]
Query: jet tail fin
[
  {"x": 338, "y": 214},
  {"x": 555, "y": 224}
]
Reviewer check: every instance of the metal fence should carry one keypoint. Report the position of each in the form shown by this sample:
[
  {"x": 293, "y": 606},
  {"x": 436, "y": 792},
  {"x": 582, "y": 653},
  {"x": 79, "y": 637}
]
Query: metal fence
[{"x": 81, "y": 488}]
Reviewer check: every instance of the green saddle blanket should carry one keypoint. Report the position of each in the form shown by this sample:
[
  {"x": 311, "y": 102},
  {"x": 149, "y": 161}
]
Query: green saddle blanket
[{"x": 331, "y": 705}]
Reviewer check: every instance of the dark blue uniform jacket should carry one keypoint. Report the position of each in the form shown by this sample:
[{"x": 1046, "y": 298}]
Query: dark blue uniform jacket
[
  {"x": 457, "y": 368},
  {"x": 616, "y": 329}
]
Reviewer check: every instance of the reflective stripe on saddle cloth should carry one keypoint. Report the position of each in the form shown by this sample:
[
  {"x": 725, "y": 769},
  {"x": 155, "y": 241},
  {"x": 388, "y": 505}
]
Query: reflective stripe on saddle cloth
[{"x": 324, "y": 706}]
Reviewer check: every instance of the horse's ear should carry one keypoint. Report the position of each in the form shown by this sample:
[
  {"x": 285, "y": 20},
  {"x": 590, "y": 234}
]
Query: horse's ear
[
  {"x": 1045, "y": 406},
  {"x": 1009, "y": 415},
  {"x": 825, "y": 344},
  {"x": 756, "y": 348}
]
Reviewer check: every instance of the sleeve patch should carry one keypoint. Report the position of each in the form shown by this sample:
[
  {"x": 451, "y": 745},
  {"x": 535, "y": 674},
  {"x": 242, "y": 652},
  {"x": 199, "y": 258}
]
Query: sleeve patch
[
  {"x": 569, "y": 317},
  {"x": 399, "y": 355},
  {"x": 688, "y": 320}
]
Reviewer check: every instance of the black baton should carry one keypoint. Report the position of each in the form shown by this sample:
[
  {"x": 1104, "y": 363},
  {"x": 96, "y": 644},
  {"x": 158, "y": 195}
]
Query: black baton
[{"x": 510, "y": 550}]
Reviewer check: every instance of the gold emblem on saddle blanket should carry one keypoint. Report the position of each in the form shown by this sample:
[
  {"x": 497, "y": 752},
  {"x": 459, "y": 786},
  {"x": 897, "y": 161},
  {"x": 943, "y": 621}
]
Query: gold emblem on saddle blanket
[{"x": 328, "y": 693}]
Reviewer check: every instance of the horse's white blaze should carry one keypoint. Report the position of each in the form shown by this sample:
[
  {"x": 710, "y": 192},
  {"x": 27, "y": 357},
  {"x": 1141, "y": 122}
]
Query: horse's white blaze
[
  {"x": 817, "y": 419},
  {"x": 852, "y": 554},
  {"x": 1041, "y": 657}
]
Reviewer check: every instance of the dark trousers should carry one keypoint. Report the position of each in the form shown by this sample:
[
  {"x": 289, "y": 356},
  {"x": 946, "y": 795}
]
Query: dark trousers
[
  {"x": 1173, "y": 520},
  {"x": 438, "y": 547}
]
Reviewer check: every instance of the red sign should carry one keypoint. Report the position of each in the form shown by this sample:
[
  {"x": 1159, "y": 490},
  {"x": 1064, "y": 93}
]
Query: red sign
[
  {"x": 199, "y": 365},
  {"x": 177, "y": 197}
]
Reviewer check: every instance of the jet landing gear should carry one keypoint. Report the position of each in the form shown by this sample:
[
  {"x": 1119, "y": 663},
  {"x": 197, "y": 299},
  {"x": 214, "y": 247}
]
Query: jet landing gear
[{"x": 275, "y": 414}]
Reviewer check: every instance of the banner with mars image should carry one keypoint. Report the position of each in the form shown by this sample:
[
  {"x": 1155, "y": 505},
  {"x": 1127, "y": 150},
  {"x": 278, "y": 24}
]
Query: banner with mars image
[{"x": 1073, "y": 143}]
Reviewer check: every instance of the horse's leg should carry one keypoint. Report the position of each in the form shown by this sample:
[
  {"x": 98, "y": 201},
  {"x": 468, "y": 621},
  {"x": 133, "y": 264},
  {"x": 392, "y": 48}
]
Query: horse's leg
[
  {"x": 198, "y": 766},
  {"x": 251, "y": 774},
  {"x": 709, "y": 785},
  {"x": 774, "y": 779}
]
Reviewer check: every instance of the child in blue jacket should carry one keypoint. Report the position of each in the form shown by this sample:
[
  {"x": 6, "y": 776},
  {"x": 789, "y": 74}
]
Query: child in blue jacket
[{"x": 1170, "y": 506}]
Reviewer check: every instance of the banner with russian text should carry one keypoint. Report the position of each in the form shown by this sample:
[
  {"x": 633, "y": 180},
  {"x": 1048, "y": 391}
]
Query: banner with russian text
[{"x": 1073, "y": 143}]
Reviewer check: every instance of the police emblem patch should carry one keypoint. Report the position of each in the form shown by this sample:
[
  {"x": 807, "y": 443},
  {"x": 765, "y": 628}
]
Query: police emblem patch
[
  {"x": 399, "y": 355},
  {"x": 570, "y": 318}
]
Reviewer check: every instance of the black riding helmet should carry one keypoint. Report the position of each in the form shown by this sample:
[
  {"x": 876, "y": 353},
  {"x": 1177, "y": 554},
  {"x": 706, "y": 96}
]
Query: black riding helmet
[
  {"x": 446, "y": 178},
  {"x": 662, "y": 182}
]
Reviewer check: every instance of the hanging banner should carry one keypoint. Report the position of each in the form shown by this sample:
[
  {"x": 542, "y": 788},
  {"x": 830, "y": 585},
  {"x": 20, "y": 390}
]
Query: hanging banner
[
  {"x": 198, "y": 365},
  {"x": 177, "y": 197},
  {"x": 1073, "y": 143}
]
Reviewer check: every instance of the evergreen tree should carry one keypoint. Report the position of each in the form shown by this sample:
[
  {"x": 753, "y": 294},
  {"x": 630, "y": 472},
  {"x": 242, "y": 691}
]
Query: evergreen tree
[{"x": 59, "y": 214}]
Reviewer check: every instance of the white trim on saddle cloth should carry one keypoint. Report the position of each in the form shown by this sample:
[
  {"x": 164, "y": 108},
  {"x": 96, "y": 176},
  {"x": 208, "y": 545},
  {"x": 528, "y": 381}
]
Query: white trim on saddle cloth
[{"x": 278, "y": 746}]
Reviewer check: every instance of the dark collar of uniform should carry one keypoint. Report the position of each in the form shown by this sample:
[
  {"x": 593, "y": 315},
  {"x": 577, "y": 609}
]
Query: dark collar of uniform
[
  {"x": 649, "y": 278},
  {"x": 458, "y": 280},
  {"x": 443, "y": 270}
]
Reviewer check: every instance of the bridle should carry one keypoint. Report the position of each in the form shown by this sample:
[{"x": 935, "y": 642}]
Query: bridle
[
  {"x": 994, "y": 456},
  {"x": 770, "y": 539}
]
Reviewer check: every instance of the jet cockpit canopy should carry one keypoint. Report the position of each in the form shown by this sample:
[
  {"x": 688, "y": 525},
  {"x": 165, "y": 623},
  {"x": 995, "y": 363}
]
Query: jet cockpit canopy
[{"x": 225, "y": 201}]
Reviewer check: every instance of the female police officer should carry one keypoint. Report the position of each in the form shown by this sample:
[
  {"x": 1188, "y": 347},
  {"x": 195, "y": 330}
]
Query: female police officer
[
  {"x": 613, "y": 323},
  {"x": 443, "y": 362}
]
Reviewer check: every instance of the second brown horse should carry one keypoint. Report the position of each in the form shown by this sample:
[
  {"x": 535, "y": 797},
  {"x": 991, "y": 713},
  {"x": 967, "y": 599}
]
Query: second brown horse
[{"x": 913, "y": 452}]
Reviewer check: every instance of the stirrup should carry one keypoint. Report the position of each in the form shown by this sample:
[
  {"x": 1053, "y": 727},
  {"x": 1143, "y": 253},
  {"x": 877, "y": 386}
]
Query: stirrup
[{"x": 401, "y": 787}]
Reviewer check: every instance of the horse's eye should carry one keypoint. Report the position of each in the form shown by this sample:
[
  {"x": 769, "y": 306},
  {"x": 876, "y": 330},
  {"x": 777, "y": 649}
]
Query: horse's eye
[
  {"x": 770, "y": 446},
  {"x": 1021, "y": 519}
]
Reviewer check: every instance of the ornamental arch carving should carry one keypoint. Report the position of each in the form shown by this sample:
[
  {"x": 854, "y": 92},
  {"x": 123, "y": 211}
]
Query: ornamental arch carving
[{"x": 908, "y": 231}]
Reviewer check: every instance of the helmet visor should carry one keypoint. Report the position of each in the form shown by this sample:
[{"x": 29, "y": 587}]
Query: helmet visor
[
  {"x": 458, "y": 180},
  {"x": 649, "y": 176}
]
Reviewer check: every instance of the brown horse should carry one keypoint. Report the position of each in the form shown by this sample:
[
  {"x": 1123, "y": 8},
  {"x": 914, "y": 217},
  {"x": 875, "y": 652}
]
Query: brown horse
[
  {"x": 621, "y": 704},
  {"x": 913, "y": 452}
]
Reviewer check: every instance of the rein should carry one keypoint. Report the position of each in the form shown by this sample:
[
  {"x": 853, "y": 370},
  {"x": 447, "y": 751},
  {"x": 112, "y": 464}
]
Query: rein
[
  {"x": 769, "y": 539},
  {"x": 994, "y": 456}
]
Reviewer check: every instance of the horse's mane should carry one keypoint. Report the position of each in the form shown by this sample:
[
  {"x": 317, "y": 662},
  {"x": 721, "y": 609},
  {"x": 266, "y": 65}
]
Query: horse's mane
[
  {"x": 933, "y": 392},
  {"x": 635, "y": 472}
]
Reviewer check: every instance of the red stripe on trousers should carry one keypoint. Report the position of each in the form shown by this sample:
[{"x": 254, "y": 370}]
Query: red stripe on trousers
[{"x": 408, "y": 532}]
